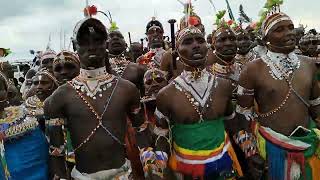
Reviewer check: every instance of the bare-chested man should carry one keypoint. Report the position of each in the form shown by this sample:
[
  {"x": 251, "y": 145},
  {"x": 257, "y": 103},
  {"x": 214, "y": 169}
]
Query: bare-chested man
[
  {"x": 284, "y": 89},
  {"x": 120, "y": 61},
  {"x": 95, "y": 106},
  {"x": 167, "y": 59},
  {"x": 245, "y": 52},
  {"x": 200, "y": 147},
  {"x": 154, "y": 32}
]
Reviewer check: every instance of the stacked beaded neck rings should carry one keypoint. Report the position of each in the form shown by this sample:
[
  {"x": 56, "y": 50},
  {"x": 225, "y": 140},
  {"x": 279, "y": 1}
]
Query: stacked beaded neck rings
[{"x": 93, "y": 82}]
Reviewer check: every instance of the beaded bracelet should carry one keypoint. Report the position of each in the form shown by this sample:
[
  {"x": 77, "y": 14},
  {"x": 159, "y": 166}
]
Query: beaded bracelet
[
  {"x": 246, "y": 112},
  {"x": 247, "y": 142},
  {"x": 57, "y": 151},
  {"x": 55, "y": 122},
  {"x": 244, "y": 91}
]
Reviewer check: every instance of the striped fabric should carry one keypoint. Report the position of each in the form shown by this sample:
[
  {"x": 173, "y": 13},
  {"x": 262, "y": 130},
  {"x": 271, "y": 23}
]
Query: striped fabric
[
  {"x": 289, "y": 158},
  {"x": 202, "y": 150}
]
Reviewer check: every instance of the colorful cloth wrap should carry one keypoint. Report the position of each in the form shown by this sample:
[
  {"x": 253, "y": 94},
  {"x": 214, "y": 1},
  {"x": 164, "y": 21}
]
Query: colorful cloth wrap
[
  {"x": 289, "y": 158},
  {"x": 27, "y": 157},
  {"x": 203, "y": 150}
]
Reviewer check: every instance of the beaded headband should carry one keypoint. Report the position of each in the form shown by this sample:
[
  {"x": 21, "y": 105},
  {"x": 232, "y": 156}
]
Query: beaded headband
[
  {"x": 49, "y": 75},
  {"x": 186, "y": 31},
  {"x": 66, "y": 56},
  {"x": 78, "y": 26},
  {"x": 272, "y": 21},
  {"x": 48, "y": 54}
]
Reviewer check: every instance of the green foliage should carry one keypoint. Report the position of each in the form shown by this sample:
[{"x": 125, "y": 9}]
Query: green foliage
[{"x": 113, "y": 27}]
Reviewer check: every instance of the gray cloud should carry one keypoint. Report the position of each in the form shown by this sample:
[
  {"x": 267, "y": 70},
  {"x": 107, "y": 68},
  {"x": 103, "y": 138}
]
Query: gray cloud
[{"x": 25, "y": 25}]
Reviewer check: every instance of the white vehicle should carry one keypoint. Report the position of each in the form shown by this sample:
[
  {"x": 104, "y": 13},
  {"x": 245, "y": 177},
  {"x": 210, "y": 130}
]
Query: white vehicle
[{"x": 20, "y": 68}]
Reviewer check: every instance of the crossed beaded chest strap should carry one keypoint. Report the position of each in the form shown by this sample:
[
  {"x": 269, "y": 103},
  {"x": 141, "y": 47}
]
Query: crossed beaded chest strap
[{"x": 98, "y": 118}]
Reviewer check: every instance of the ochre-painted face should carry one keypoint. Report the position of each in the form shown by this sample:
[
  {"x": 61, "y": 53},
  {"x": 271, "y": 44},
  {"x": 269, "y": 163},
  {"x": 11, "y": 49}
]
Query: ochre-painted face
[
  {"x": 225, "y": 43},
  {"x": 155, "y": 37},
  {"x": 44, "y": 86},
  {"x": 281, "y": 37},
  {"x": 193, "y": 50},
  {"x": 116, "y": 42},
  {"x": 65, "y": 70}
]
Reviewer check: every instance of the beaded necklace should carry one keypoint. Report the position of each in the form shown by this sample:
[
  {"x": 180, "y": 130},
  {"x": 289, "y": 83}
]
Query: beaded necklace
[
  {"x": 34, "y": 106},
  {"x": 264, "y": 115},
  {"x": 283, "y": 66},
  {"x": 119, "y": 63},
  {"x": 91, "y": 85},
  {"x": 244, "y": 59},
  {"x": 195, "y": 103},
  {"x": 98, "y": 117}
]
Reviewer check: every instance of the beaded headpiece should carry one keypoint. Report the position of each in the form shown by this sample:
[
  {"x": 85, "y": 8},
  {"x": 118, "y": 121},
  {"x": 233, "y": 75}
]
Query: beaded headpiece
[
  {"x": 49, "y": 75},
  {"x": 223, "y": 25},
  {"x": 48, "y": 54},
  {"x": 186, "y": 31},
  {"x": 271, "y": 16},
  {"x": 92, "y": 23},
  {"x": 66, "y": 56},
  {"x": 190, "y": 18},
  {"x": 153, "y": 23}
]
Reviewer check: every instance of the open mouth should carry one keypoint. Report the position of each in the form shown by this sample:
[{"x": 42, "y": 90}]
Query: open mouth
[
  {"x": 197, "y": 56},
  {"x": 92, "y": 56}
]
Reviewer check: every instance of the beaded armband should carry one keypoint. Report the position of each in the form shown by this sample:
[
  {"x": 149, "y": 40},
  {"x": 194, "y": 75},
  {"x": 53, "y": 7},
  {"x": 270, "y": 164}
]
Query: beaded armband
[
  {"x": 55, "y": 122},
  {"x": 315, "y": 102},
  {"x": 244, "y": 91},
  {"x": 57, "y": 151},
  {"x": 154, "y": 162},
  {"x": 247, "y": 112},
  {"x": 246, "y": 142}
]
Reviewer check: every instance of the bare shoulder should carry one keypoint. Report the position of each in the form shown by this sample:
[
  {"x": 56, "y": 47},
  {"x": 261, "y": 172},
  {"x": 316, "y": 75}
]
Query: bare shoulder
[
  {"x": 166, "y": 60},
  {"x": 225, "y": 84},
  {"x": 127, "y": 86},
  {"x": 307, "y": 63},
  {"x": 166, "y": 91},
  {"x": 62, "y": 91}
]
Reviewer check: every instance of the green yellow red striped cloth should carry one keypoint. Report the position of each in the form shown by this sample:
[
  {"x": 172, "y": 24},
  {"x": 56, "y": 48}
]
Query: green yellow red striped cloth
[{"x": 203, "y": 150}]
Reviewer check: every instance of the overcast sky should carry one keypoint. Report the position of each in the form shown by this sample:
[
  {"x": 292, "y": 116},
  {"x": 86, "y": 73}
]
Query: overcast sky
[{"x": 26, "y": 25}]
